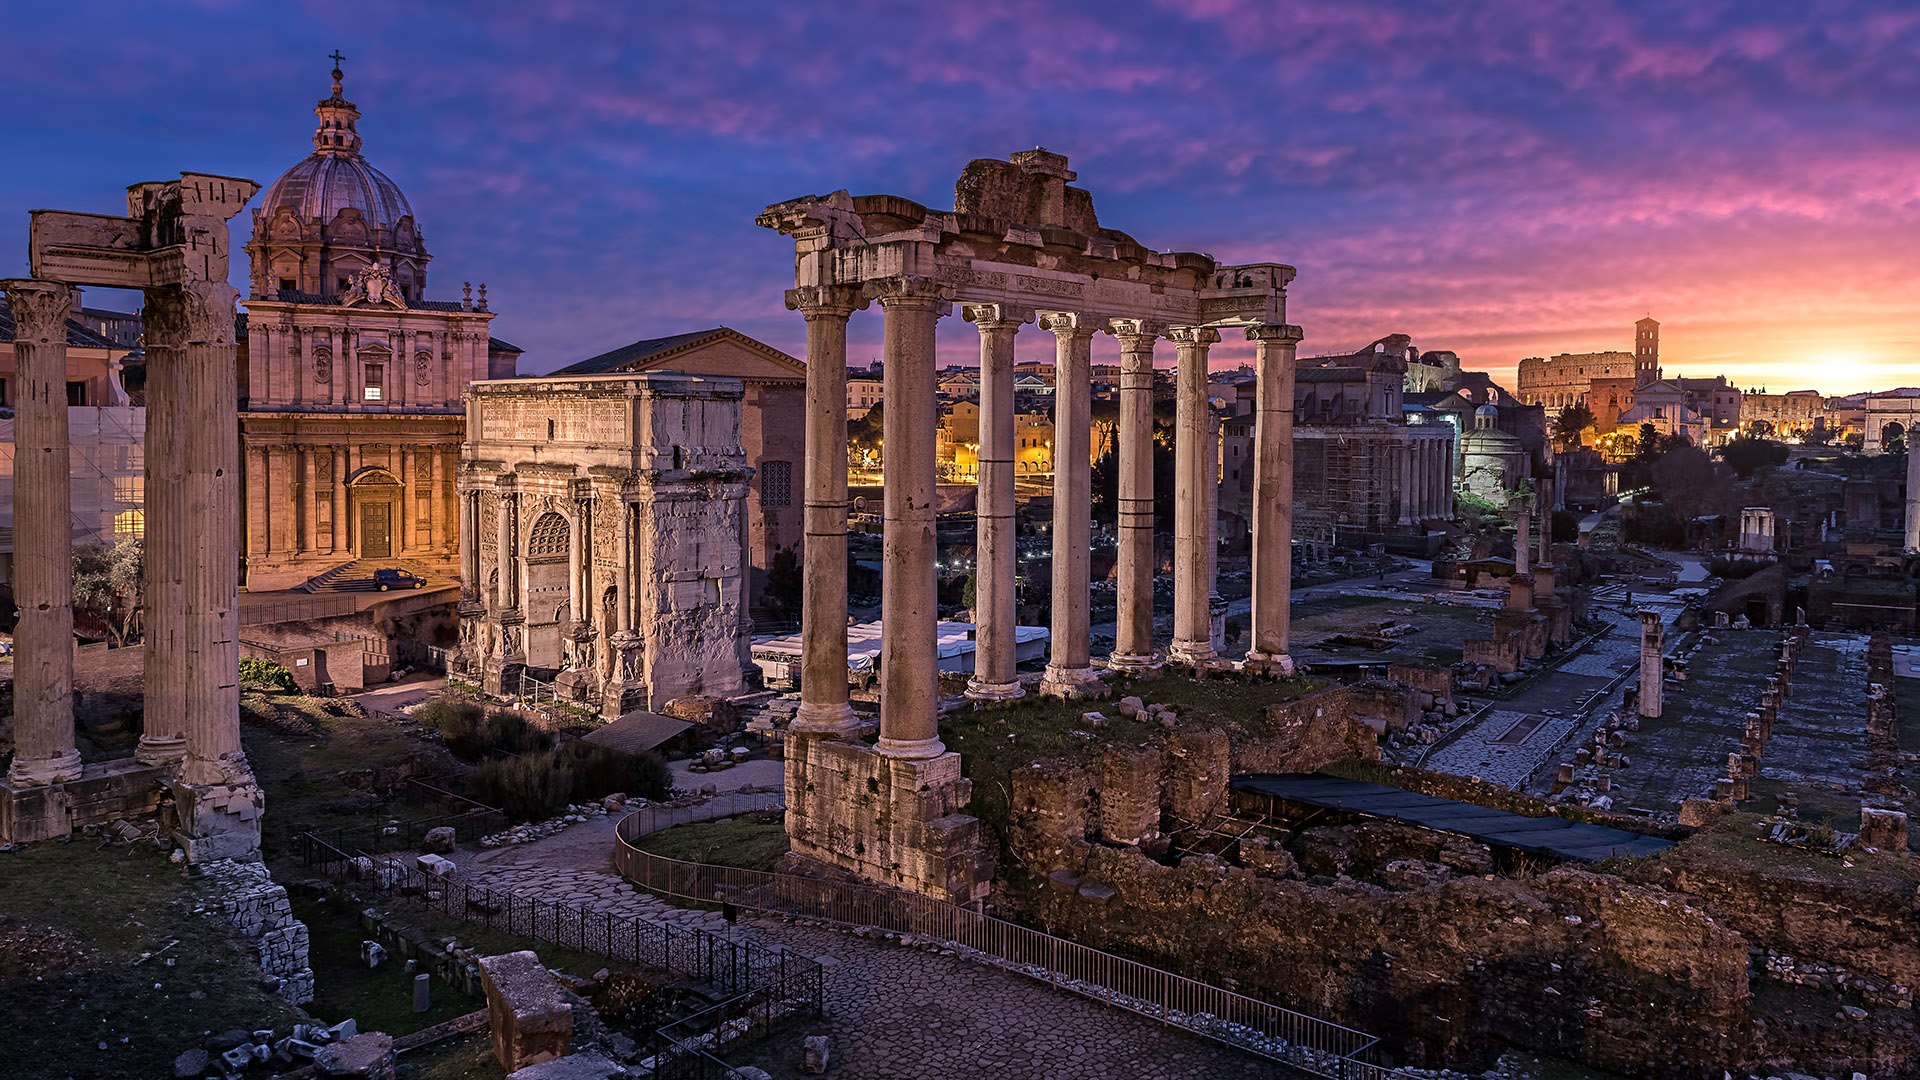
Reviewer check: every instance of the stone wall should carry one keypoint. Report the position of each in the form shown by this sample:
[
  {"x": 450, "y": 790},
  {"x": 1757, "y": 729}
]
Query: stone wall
[
  {"x": 1306, "y": 734},
  {"x": 888, "y": 819},
  {"x": 259, "y": 909},
  {"x": 106, "y": 791}
]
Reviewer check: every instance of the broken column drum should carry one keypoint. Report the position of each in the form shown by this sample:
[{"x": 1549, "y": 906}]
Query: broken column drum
[
  {"x": 1652, "y": 660},
  {"x": 1021, "y": 243}
]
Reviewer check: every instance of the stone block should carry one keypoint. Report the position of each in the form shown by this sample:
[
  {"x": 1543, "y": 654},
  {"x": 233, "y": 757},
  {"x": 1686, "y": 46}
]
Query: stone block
[
  {"x": 1885, "y": 830},
  {"x": 438, "y": 841},
  {"x": 588, "y": 1065},
  {"x": 813, "y": 1061},
  {"x": 369, "y": 1055},
  {"x": 436, "y": 865},
  {"x": 528, "y": 1016}
]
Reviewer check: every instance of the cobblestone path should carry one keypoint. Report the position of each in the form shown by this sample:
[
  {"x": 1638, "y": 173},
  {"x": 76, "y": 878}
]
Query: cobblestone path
[{"x": 893, "y": 1011}]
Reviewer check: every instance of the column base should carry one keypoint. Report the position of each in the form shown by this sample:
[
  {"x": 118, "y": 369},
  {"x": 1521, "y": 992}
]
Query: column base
[
  {"x": 978, "y": 690},
  {"x": 1070, "y": 683},
  {"x": 1196, "y": 654},
  {"x": 155, "y": 750},
  {"x": 1278, "y": 665},
  {"x": 1134, "y": 663},
  {"x": 910, "y": 749},
  {"x": 33, "y": 772},
  {"x": 218, "y": 820},
  {"x": 835, "y": 721}
]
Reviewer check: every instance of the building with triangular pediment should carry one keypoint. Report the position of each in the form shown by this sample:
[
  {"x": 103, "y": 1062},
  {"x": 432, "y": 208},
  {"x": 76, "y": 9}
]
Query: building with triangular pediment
[{"x": 351, "y": 379}]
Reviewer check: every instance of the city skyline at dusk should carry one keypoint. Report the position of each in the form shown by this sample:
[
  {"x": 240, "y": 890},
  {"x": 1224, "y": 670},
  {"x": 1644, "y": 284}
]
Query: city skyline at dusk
[{"x": 1515, "y": 180}]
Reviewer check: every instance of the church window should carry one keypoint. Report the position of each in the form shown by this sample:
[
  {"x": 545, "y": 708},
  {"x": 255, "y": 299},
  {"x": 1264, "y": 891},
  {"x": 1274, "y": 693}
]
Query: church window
[
  {"x": 776, "y": 484},
  {"x": 286, "y": 284},
  {"x": 376, "y": 380}
]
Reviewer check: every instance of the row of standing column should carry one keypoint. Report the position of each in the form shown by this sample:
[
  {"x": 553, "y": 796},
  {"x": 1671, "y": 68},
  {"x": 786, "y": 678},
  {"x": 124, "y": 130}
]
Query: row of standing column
[
  {"x": 908, "y": 664},
  {"x": 1423, "y": 475},
  {"x": 191, "y": 598}
]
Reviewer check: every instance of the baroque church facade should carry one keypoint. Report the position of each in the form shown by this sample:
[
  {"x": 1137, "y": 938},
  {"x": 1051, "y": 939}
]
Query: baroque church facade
[{"x": 351, "y": 380}]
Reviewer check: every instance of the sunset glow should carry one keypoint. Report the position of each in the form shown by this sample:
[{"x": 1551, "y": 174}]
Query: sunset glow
[{"x": 1504, "y": 179}]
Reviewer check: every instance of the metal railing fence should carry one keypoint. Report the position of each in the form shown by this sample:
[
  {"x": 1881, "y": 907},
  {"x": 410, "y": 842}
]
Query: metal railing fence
[
  {"x": 734, "y": 966},
  {"x": 1304, "y": 1042}
]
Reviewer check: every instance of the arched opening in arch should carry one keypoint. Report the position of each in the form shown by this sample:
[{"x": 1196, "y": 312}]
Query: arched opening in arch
[{"x": 546, "y": 604}]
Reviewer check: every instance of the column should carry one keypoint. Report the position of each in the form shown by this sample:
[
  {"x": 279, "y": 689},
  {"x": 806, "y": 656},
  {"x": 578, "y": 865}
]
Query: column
[
  {"x": 309, "y": 501},
  {"x": 576, "y": 560},
  {"x": 163, "y": 739},
  {"x": 1274, "y": 347},
  {"x": 342, "y": 468},
  {"x": 1133, "y": 615},
  {"x": 505, "y": 595},
  {"x": 824, "y": 708},
  {"x": 44, "y": 750},
  {"x": 1192, "y": 531},
  {"x": 909, "y": 683},
  {"x": 211, "y": 534},
  {"x": 994, "y": 678},
  {"x": 469, "y": 546},
  {"x": 1913, "y": 494},
  {"x": 1652, "y": 656},
  {"x": 1543, "y": 500},
  {"x": 1069, "y": 674},
  {"x": 1522, "y": 542},
  {"x": 259, "y": 502}
]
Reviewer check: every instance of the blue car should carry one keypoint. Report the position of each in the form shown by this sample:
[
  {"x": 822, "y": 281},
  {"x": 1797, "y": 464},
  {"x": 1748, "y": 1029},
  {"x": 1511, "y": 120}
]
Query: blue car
[{"x": 396, "y": 579}]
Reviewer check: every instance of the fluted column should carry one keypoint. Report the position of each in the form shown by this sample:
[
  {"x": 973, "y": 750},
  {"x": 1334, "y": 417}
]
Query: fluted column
[
  {"x": 44, "y": 750},
  {"x": 1069, "y": 672},
  {"x": 994, "y": 677},
  {"x": 824, "y": 708},
  {"x": 469, "y": 546},
  {"x": 1192, "y": 528},
  {"x": 163, "y": 739},
  {"x": 1133, "y": 610},
  {"x": 909, "y": 660},
  {"x": 1272, "y": 497},
  {"x": 506, "y": 556},
  {"x": 211, "y": 535},
  {"x": 1913, "y": 494}
]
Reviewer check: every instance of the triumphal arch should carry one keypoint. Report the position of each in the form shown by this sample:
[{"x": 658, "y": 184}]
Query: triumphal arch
[{"x": 1021, "y": 246}]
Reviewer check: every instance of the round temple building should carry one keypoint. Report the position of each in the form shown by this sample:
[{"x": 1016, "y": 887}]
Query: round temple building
[{"x": 1493, "y": 463}]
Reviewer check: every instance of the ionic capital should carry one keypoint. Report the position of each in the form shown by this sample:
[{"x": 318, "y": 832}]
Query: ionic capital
[
  {"x": 1269, "y": 333},
  {"x": 825, "y": 301},
  {"x": 40, "y": 309},
  {"x": 996, "y": 316},
  {"x": 908, "y": 291},
  {"x": 1069, "y": 323},
  {"x": 1136, "y": 328},
  {"x": 1192, "y": 337}
]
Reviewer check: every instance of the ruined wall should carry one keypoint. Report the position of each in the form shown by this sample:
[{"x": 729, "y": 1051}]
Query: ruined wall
[
  {"x": 1307, "y": 734},
  {"x": 259, "y": 909}
]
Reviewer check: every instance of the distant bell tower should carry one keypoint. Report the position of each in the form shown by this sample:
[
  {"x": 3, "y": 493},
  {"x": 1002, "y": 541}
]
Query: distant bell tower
[{"x": 1646, "y": 352}]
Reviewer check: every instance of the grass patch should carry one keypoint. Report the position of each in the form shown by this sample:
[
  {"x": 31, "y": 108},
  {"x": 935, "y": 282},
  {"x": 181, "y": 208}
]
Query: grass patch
[
  {"x": 76, "y": 921},
  {"x": 751, "y": 841},
  {"x": 378, "y": 999},
  {"x": 1730, "y": 847}
]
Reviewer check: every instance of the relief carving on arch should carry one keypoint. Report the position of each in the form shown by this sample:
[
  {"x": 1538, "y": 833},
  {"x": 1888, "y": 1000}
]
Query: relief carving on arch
[{"x": 423, "y": 367}]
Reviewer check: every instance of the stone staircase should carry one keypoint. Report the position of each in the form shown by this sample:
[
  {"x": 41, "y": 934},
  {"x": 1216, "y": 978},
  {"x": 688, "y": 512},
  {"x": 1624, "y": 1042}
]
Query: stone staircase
[{"x": 357, "y": 576}]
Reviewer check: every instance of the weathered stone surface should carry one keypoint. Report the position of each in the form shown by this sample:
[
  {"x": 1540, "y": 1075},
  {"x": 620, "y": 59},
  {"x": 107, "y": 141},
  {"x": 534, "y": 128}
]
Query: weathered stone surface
[
  {"x": 368, "y": 1055},
  {"x": 528, "y": 1015},
  {"x": 438, "y": 841},
  {"x": 813, "y": 1061},
  {"x": 192, "y": 1063},
  {"x": 587, "y": 1065},
  {"x": 1883, "y": 829}
]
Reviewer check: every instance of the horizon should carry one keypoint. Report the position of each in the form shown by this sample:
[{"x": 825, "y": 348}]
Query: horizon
[{"x": 1503, "y": 183}]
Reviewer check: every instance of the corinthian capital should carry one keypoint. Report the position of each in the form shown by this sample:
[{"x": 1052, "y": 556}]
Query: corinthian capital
[
  {"x": 40, "y": 309},
  {"x": 1194, "y": 336},
  {"x": 1136, "y": 334},
  {"x": 825, "y": 301},
  {"x": 199, "y": 312}
]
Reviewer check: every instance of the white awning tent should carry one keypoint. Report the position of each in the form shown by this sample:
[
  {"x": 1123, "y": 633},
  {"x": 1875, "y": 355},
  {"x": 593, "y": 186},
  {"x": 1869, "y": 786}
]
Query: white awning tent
[{"x": 778, "y": 655}]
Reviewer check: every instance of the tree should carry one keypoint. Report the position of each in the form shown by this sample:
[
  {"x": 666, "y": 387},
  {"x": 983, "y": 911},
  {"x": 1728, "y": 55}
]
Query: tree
[
  {"x": 864, "y": 434},
  {"x": 1748, "y": 454},
  {"x": 1687, "y": 479},
  {"x": 1760, "y": 429},
  {"x": 1572, "y": 420},
  {"x": 1893, "y": 440},
  {"x": 1649, "y": 447},
  {"x": 107, "y": 587}
]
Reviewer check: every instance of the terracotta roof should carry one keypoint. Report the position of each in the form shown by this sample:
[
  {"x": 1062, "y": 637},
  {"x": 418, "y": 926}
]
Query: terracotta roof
[
  {"x": 642, "y": 353},
  {"x": 78, "y": 336}
]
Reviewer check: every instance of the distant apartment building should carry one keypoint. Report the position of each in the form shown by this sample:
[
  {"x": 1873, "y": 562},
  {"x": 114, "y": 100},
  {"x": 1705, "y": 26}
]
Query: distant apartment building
[
  {"x": 863, "y": 392},
  {"x": 106, "y": 432}
]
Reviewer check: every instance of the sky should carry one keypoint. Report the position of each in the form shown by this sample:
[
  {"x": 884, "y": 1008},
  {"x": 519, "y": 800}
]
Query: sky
[{"x": 1503, "y": 179}]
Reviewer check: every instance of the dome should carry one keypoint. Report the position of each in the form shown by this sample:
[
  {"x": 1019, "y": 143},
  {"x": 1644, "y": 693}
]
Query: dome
[{"x": 326, "y": 183}]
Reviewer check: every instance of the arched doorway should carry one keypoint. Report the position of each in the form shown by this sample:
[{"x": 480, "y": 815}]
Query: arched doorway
[
  {"x": 375, "y": 513},
  {"x": 547, "y": 595}
]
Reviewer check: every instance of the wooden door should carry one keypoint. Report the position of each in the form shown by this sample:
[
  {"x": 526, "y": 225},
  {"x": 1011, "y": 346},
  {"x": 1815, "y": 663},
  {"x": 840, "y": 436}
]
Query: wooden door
[{"x": 376, "y": 530}]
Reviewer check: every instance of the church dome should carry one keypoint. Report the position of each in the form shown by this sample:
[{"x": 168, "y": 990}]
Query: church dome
[
  {"x": 335, "y": 177},
  {"x": 326, "y": 183}
]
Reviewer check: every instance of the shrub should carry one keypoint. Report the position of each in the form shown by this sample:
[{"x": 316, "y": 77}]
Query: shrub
[
  {"x": 541, "y": 783},
  {"x": 266, "y": 674},
  {"x": 509, "y": 733},
  {"x": 600, "y": 771},
  {"x": 458, "y": 721}
]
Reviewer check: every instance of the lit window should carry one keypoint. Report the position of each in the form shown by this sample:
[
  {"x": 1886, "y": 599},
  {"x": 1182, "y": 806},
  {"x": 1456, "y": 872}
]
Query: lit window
[
  {"x": 130, "y": 525},
  {"x": 376, "y": 379},
  {"x": 776, "y": 484}
]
